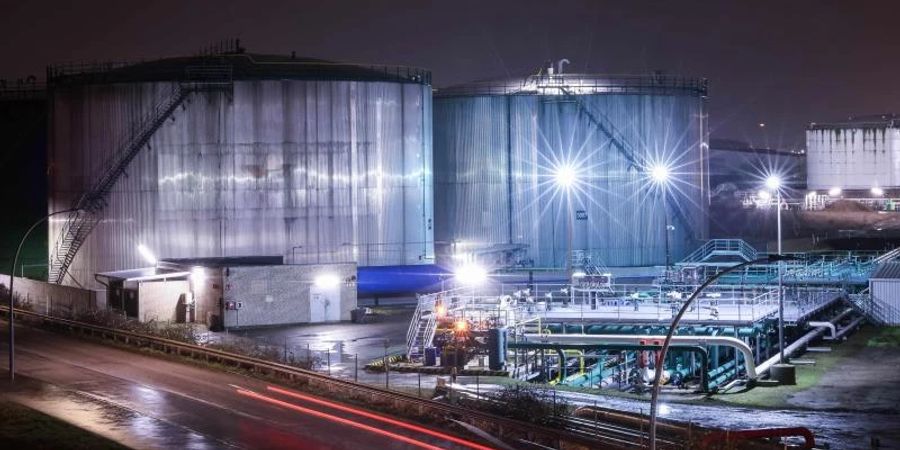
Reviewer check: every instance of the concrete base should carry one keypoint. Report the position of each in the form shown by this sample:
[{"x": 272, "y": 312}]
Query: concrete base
[{"x": 783, "y": 373}]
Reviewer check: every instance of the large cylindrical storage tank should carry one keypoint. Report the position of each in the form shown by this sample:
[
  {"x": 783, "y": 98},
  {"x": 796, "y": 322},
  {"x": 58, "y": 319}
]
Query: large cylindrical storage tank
[
  {"x": 499, "y": 147},
  {"x": 854, "y": 155},
  {"x": 314, "y": 161}
]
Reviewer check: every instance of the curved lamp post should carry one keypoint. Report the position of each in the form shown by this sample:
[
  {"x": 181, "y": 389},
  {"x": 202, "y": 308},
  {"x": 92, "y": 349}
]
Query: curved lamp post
[
  {"x": 657, "y": 376},
  {"x": 12, "y": 277},
  {"x": 660, "y": 174}
]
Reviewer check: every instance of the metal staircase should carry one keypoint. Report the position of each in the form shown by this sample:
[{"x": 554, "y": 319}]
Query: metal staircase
[
  {"x": 607, "y": 128},
  {"x": 880, "y": 313},
  {"x": 89, "y": 206},
  {"x": 590, "y": 263},
  {"x": 889, "y": 256},
  {"x": 421, "y": 328},
  {"x": 423, "y": 325}
]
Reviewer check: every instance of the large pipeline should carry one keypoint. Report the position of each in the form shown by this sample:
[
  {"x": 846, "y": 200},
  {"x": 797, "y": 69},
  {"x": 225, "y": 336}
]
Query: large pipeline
[
  {"x": 737, "y": 344},
  {"x": 799, "y": 343}
]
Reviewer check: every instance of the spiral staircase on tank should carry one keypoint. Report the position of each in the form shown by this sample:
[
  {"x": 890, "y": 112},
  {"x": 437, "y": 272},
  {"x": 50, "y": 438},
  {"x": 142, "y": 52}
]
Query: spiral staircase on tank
[{"x": 88, "y": 207}]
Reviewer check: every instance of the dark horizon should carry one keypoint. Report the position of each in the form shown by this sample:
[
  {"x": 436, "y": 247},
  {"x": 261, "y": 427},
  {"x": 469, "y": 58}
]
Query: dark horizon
[{"x": 775, "y": 63}]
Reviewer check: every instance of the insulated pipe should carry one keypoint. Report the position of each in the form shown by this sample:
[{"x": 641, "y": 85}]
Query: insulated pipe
[
  {"x": 737, "y": 344},
  {"x": 704, "y": 354},
  {"x": 828, "y": 325},
  {"x": 849, "y": 327},
  {"x": 799, "y": 343}
]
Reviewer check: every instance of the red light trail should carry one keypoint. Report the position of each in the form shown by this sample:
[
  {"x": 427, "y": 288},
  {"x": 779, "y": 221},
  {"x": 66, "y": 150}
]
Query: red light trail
[
  {"x": 337, "y": 419},
  {"x": 379, "y": 417}
]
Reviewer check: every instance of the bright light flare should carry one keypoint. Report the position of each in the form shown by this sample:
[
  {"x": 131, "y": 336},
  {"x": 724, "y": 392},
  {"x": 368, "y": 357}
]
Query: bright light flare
[
  {"x": 198, "y": 275},
  {"x": 773, "y": 182},
  {"x": 565, "y": 176},
  {"x": 147, "y": 254},
  {"x": 764, "y": 194},
  {"x": 327, "y": 280},
  {"x": 835, "y": 191},
  {"x": 877, "y": 191},
  {"x": 660, "y": 173},
  {"x": 460, "y": 326},
  {"x": 471, "y": 275},
  {"x": 441, "y": 311}
]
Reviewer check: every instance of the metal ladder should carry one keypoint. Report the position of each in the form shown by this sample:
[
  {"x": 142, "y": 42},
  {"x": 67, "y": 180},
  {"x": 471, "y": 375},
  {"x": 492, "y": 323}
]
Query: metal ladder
[{"x": 89, "y": 206}]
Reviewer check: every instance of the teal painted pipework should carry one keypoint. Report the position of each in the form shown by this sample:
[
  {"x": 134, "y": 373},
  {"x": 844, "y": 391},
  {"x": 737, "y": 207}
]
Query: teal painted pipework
[{"x": 704, "y": 354}]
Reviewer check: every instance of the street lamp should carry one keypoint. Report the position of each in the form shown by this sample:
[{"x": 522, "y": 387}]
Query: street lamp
[
  {"x": 773, "y": 182},
  {"x": 566, "y": 177},
  {"x": 661, "y": 358},
  {"x": 12, "y": 277},
  {"x": 660, "y": 174}
]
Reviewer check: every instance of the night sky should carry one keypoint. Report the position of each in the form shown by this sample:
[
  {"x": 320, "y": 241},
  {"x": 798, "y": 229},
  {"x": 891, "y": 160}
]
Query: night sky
[{"x": 784, "y": 63}]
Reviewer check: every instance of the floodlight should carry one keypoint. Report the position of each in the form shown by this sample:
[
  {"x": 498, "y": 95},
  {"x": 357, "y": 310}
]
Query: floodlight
[
  {"x": 147, "y": 254},
  {"x": 660, "y": 173},
  {"x": 471, "y": 275},
  {"x": 198, "y": 275},
  {"x": 327, "y": 280},
  {"x": 565, "y": 176}
]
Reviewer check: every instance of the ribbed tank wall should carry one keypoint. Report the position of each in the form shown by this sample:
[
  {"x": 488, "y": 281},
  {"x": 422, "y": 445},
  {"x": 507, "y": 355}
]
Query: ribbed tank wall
[
  {"x": 316, "y": 171},
  {"x": 494, "y": 164},
  {"x": 853, "y": 158}
]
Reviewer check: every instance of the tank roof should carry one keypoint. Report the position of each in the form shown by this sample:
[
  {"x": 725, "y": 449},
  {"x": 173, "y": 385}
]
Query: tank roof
[
  {"x": 889, "y": 120},
  {"x": 235, "y": 65},
  {"x": 580, "y": 84}
]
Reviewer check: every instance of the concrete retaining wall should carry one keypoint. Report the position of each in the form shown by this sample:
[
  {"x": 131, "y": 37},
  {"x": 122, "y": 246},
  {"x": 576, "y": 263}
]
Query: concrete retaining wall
[{"x": 51, "y": 299}]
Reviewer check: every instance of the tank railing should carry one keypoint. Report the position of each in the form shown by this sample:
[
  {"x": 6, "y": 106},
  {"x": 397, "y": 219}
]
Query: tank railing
[
  {"x": 209, "y": 73},
  {"x": 88, "y": 69},
  {"x": 22, "y": 90},
  {"x": 85, "y": 68},
  {"x": 581, "y": 84}
]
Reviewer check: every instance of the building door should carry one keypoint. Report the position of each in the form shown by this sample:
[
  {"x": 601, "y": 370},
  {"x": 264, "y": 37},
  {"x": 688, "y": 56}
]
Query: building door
[
  {"x": 325, "y": 304},
  {"x": 316, "y": 307}
]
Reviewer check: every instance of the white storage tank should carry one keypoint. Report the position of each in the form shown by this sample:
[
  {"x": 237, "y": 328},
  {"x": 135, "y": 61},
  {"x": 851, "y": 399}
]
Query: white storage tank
[
  {"x": 314, "y": 161},
  {"x": 855, "y": 155}
]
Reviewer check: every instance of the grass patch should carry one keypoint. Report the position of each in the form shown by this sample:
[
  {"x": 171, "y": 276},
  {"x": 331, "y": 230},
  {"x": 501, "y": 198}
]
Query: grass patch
[
  {"x": 887, "y": 337},
  {"x": 808, "y": 376},
  {"x": 23, "y": 427}
]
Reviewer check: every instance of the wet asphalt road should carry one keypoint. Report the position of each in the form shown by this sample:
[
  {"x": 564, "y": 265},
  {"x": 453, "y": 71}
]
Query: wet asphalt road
[{"x": 146, "y": 402}]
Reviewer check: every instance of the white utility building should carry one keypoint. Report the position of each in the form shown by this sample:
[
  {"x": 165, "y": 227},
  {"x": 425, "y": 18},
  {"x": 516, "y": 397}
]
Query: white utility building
[{"x": 884, "y": 285}]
